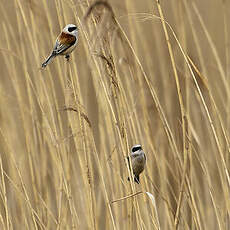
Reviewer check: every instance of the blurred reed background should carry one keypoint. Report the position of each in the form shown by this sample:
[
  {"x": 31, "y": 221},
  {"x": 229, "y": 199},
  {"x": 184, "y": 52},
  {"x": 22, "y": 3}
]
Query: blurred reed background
[{"x": 144, "y": 72}]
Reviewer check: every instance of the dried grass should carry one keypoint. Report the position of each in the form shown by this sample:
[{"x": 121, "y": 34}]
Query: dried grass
[{"x": 154, "y": 73}]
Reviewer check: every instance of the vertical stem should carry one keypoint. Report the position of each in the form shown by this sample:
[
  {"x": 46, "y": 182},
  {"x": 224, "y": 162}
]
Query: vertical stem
[{"x": 183, "y": 115}]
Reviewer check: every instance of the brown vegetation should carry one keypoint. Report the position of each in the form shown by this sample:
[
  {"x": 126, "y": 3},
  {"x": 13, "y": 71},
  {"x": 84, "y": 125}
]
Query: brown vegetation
[{"x": 144, "y": 72}]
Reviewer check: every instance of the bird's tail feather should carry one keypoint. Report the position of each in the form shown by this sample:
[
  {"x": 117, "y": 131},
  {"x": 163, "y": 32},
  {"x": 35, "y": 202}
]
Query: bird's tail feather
[
  {"x": 136, "y": 179},
  {"x": 48, "y": 60}
]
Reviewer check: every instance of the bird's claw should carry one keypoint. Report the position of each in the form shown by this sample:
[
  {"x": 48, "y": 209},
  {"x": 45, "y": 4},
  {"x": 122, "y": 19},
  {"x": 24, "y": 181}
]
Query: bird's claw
[{"x": 67, "y": 57}]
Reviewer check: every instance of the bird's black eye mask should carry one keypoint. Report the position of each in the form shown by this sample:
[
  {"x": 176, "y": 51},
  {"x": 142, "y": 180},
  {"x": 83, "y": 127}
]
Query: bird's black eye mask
[
  {"x": 70, "y": 29},
  {"x": 134, "y": 149}
]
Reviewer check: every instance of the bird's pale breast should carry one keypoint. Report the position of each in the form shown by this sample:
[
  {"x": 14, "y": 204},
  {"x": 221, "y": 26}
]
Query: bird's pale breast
[{"x": 138, "y": 164}]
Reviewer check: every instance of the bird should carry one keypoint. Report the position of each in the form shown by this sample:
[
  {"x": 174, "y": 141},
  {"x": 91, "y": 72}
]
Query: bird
[
  {"x": 65, "y": 43},
  {"x": 138, "y": 160}
]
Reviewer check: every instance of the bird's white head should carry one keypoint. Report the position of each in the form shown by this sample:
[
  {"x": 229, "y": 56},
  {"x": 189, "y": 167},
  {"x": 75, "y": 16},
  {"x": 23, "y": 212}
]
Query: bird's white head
[
  {"x": 136, "y": 148},
  {"x": 71, "y": 29}
]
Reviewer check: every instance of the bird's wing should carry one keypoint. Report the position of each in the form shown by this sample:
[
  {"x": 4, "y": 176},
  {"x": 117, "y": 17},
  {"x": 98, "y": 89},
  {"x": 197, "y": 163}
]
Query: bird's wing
[
  {"x": 63, "y": 43},
  {"x": 59, "y": 48}
]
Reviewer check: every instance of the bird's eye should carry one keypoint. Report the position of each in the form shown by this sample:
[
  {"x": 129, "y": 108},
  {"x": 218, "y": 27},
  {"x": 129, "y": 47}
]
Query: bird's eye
[
  {"x": 70, "y": 29},
  {"x": 134, "y": 149}
]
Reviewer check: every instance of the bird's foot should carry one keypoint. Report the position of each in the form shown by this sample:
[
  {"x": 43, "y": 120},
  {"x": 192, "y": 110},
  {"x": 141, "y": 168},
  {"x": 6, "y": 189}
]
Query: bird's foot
[
  {"x": 136, "y": 179},
  {"x": 67, "y": 57}
]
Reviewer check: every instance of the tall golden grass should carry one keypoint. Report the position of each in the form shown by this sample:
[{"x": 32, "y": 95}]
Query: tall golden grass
[{"x": 144, "y": 72}]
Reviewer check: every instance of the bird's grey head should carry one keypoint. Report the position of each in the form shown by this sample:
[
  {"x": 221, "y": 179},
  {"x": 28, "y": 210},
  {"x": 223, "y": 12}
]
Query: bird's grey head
[
  {"x": 136, "y": 148},
  {"x": 71, "y": 29}
]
